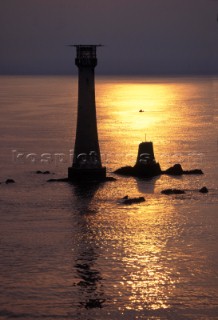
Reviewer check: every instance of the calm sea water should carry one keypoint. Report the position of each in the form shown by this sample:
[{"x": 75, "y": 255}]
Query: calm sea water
[{"x": 70, "y": 252}]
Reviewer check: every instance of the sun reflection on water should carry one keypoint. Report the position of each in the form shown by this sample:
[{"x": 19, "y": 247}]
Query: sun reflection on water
[
  {"x": 125, "y": 100},
  {"x": 141, "y": 251},
  {"x": 145, "y": 278},
  {"x": 167, "y": 117}
]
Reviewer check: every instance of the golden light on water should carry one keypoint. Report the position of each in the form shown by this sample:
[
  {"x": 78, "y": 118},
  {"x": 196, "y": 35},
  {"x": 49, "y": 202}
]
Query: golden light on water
[
  {"x": 140, "y": 236},
  {"x": 129, "y": 98},
  {"x": 80, "y": 253},
  {"x": 148, "y": 281},
  {"x": 167, "y": 115},
  {"x": 175, "y": 120}
]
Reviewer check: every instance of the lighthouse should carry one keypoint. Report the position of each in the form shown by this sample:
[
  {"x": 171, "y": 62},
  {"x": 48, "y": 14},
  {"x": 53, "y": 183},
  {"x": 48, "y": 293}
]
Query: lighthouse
[{"x": 87, "y": 157}]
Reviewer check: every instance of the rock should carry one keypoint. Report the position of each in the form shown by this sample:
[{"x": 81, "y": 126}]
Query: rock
[
  {"x": 110, "y": 179},
  {"x": 140, "y": 170},
  {"x": 58, "y": 180},
  {"x": 46, "y": 172},
  {"x": 134, "y": 200},
  {"x": 177, "y": 170},
  {"x": 178, "y": 191},
  {"x": 172, "y": 191},
  {"x": 204, "y": 190},
  {"x": 153, "y": 169},
  {"x": 147, "y": 167},
  {"x": 148, "y": 170},
  {"x": 9, "y": 181},
  {"x": 67, "y": 180},
  {"x": 126, "y": 197},
  {"x": 174, "y": 170},
  {"x": 94, "y": 303},
  {"x": 194, "y": 171},
  {"x": 126, "y": 171},
  {"x": 42, "y": 172}
]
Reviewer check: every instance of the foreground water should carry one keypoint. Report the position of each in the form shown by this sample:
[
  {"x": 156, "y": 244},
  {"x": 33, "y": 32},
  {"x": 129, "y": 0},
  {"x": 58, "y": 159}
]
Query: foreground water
[{"x": 72, "y": 252}]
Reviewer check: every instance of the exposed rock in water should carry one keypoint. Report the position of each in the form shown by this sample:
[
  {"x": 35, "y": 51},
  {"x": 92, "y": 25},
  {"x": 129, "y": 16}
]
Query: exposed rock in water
[
  {"x": 179, "y": 191},
  {"x": 177, "y": 170},
  {"x": 172, "y": 191},
  {"x": 174, "y": 170},
  {"x": 126, "y": 197},
  {"x": 110, "y": 179},
  {"x": 93, "y": 303},
  {"x": 133, "y": 200},
  {"x": 193, "y": 171},
  {"x": 58, "y": 180},
  {"x": 126, "y": 171},
  {"x": 42, "y": 172},
  {"x": 204, "y": 190},
  {"x": 146, "y": 166},
  {"x": 153, "y": 169},
  {"x": 147, "y": 170},
  {"x": 46, "y": 172},
  {"x": 9, "y": 181},
  {"x": 67, "y": 180},
  {"x": 140, "y": 170}
]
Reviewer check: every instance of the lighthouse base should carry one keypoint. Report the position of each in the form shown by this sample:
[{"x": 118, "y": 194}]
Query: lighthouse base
[{"x": 84, "y": 174}]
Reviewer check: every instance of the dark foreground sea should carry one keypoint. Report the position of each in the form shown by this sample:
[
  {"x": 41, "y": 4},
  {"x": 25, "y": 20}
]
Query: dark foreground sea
[{"x": 77, "y": 252}]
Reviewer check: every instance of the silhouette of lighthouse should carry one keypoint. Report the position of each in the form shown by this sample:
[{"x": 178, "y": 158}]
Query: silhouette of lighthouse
[{"x": 87, "y": 158}]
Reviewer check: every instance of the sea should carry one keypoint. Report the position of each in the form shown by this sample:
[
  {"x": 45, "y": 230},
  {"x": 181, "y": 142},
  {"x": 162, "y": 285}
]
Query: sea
[{"x": 70, "y": 251}]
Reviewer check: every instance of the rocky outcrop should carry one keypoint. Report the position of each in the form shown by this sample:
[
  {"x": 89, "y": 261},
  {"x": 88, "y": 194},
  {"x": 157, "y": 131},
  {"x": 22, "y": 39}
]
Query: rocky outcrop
[
  {"x": 146, "y": 165},
  {"x": 180, "y": 191},
  {"x": 140, "y": 170},
  {"x": 58, "y": 180},
  {"x": 110, "y": 179},
  {"x": 127, "y": 200},
  {"x": 204, "y": 190},
  {"x": 153, "y": 169},
  {"x": 43, "y": 172},
  {"x": 70, "y": 181},
  {"x": 177, "y": 170},
  {"x": 9, "y": 181},
  {"x": 172, "y": 191},
  {"x": 125, "y": 171}
]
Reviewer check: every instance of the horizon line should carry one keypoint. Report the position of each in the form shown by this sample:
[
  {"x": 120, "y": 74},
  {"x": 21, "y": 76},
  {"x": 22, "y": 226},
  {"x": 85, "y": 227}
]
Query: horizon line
[{"x": 113, "y": 74}]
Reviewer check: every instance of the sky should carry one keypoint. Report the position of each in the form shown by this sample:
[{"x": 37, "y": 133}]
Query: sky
[{"x": 141, "y": 37}]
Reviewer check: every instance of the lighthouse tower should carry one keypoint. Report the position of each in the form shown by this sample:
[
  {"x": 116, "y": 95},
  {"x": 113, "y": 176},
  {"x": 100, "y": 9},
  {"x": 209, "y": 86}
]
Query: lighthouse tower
[{"x": 87, "y": 158}]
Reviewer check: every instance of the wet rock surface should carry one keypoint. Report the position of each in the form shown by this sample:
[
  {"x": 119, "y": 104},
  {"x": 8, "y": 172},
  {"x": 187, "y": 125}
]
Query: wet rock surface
[
  {"x": 43, "y": 172},
  {"x": 180, "y": 191},
  {"x": 152, "y": 170},
  {"x": 177, "y": 170},
  {"x": 125, "y": 171},
  {"x": 127, "y": 200},
  {"x": 140, "y": 171},
  {"x": 59, "y": 180},
  {"x": 9, "y": 181},
  {"x": 204, "y": 190},
  {"x": 84, "y": 181},
  {"x": 172, "y": 191},
  {"x": 110, "y": 179}
]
